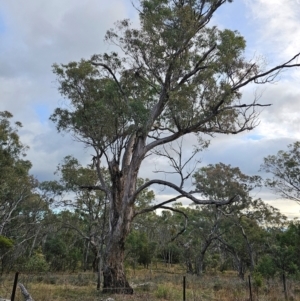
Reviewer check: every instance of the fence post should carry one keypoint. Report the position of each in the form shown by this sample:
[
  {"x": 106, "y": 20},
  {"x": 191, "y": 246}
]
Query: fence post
[
  {"x": 183, "y": 288},
  {"x": 13, "y": 293},
  {"x": 250, "y": 290}
]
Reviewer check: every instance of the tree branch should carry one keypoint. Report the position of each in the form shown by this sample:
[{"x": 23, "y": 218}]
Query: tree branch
[
  {"x": 25, "y": 293},
  {"x": 197, "y": 67},
  {"x": 181, "y": 191},
  {"x": 269, "y": 72},
  {"x": 158, "y": 206},
  {"x": 93, "y": 187},
  {"x": 113, "y": 75},
  {"x": 96, "y": 161}
]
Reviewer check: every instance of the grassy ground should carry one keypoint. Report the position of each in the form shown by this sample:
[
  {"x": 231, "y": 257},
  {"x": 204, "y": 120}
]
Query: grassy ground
[{"x": 159, "y": 284}]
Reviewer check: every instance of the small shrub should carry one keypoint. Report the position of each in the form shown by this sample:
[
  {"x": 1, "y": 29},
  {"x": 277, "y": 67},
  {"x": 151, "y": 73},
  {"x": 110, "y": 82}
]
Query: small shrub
[
  {"x": 5, "y": 243},
  {"x": 163, "y": 292},
  {"x": 36, "y": 264},
  {"x": 257, "y": 279},
  {"x": 217, "y": 286}
]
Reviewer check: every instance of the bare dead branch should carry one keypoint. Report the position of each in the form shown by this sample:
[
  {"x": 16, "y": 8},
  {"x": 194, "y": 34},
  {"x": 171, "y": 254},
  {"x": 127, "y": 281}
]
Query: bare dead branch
[
  {"x": 157, "y": 206},
  {"x": 181, "y": 191},
  {"x": 268, "y": 73},
  {"x": 177, "y": 163},
  {"x": 25, "y": 293}
]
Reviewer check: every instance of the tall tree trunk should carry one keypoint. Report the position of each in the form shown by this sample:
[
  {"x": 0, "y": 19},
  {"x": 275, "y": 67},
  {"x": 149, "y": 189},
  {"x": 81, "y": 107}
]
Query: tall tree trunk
[
  {"x": 240, "y": 267},
  {"x": 99, "y": 271},
  {"x": 85, "y": 264},
  {"x": 121, "y": 213},
  {"x": 114, "y": 278},
  {"x": 200, "y": 266},
  {"x": 249, "y": 248},
  {"x": 201, "y": 256},
  {"x": 189, "y": 266}
]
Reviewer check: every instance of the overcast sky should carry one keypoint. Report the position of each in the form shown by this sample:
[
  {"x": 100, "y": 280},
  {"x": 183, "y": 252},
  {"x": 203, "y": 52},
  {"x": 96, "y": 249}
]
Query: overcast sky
[{"x": 36, "y": 34}]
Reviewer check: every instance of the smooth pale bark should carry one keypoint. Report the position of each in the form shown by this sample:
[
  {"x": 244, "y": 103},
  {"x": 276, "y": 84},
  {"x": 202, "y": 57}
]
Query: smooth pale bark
[{"x": 26, "y": 295}]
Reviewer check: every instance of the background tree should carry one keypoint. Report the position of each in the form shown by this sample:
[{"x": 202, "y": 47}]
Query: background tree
[
  {"x": 15, "y": 183},
  {"x": 90, "y": 215},
  {"x": 281, "y": 257},
  {"x": 141, "y": 242},
  {"x": 176, "y": 76},
  {"x": 22, "y": 208},
  {"x": 220, "y": 181},
  {"x": 170, "y": 225},
  {"x": 285, "y": 169},
  {"x": 139, "y": 249},
  {"x": 245, "y": 216},
  {"x": 63, "y": 247}
]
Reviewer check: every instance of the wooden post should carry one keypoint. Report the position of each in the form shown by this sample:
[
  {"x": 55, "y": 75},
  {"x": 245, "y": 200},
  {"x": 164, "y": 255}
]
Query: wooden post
[
  {"x": 250, "y": 290},
  {"x": 13, "y": 293},
  {"x": 184, "y": 288}
]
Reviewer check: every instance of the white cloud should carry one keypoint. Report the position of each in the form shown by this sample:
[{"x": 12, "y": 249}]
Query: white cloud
[
  {"x": 286, "y": 207},
  {"x": 279, "y": 26}
]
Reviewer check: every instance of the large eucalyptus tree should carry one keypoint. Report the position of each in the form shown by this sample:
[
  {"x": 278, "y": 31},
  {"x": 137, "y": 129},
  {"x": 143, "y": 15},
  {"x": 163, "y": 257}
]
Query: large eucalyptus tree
[{"x": 176, "y": 76}]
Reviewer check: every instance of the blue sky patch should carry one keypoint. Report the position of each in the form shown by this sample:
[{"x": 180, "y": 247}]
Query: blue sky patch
[
  {"x": 2, "y": 24},
  {"x": 42, "y": 112},
  {"x": 254, "y": 137},
  {"x": 232, "y": 16}
]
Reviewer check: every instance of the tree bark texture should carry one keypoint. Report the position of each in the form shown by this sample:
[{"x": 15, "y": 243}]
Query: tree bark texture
[{"x": 114, "y": 278}]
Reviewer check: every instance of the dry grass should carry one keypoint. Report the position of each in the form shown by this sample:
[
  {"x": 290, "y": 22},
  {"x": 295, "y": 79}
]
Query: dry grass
[{"x": 159, "y": 284}]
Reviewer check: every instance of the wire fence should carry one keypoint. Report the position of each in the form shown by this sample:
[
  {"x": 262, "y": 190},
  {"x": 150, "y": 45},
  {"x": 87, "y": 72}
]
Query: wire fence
[{"x": 146, "y": 286}]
